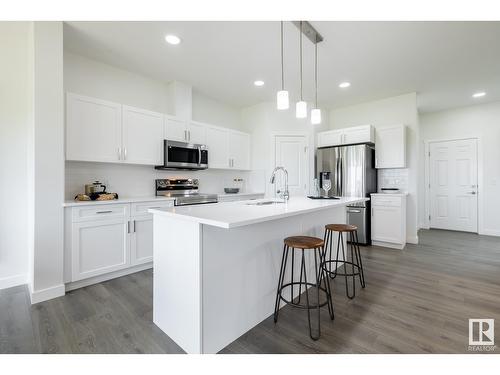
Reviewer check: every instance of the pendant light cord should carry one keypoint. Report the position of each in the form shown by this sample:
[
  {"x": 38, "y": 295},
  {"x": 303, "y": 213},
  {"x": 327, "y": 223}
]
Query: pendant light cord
[
  {"x": 316, "y": 73},
  {"x": 300, "y": 48},
  {"x": 282, "y": 72}
]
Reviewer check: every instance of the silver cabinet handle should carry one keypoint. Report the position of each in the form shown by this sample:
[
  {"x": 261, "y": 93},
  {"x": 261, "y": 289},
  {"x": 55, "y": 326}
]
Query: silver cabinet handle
[
  {"x": 134, "y": 226},
  {"x": 199, "y": 155},
  {"x": 104, "y": 212},
  {"x": 124, "y": 153},
  {"x": 189, "y": 135},
  {"x": 128, "y": 226},
  {"x": 185, "y": 135},
  {"x": 119, "y": 153},
  {"x": 354, "y": 211},
  {"x": 472, "y": 192}
]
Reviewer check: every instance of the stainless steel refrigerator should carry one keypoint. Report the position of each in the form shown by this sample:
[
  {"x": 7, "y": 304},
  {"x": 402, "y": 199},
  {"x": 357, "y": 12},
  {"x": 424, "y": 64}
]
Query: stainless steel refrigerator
[{"x": 352, "y": 174}]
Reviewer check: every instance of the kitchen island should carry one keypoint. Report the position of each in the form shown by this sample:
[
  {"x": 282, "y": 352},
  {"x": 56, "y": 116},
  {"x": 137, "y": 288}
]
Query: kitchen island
[{"x": 216, "y": 266}]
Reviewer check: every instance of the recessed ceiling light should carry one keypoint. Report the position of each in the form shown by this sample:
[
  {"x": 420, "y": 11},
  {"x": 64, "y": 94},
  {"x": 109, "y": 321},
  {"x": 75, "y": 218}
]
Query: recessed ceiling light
[
  {"x": 478, "y": 94},
  {"x": 259, "y": 83},
  {"x": 172, "y": 39},
  {"x": 344, "y": 85}
]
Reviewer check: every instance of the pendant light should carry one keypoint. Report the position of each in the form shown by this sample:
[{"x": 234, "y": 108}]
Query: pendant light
[
  {"x": 282, "y": 100},
  {"x": 301, "y": 106},
  {"x": 316, "y": 112}
]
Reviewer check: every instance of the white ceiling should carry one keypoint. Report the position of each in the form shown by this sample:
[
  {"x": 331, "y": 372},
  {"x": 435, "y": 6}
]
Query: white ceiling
[{"x": 444, "y": 62}]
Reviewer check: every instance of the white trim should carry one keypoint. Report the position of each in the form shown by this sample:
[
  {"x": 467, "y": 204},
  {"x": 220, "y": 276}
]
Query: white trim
[
  {"x": 389, "y": 245},
  {"x": 46, "y": 294},
  {"x": 412, "y": 239},
  {"x": 107, "y": 276},
  {"x": 490, "y": 232},
  {"x": 10, "y": 281},
  {"x": 480, "y": 180}
]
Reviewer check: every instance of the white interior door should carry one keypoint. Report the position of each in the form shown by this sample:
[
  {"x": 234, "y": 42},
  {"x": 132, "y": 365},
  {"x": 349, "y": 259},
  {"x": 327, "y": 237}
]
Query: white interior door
[
  {"x": 292, "y": 153},
  {"x": 453, "y": 185}
]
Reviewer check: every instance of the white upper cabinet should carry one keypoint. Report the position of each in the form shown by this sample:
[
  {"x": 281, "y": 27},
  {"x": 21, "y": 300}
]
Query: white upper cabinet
[
  {"x": 390, "y": 147},
  {"x": 142, "y": 136},
  {"x": 93, "y": 129},
  {"x": 175, "y": 129},
  {"x": 358, "y": 134},
  {"x": 330, "y": 138},
  {"x": 346, "y": 136},
  {"x": 218, "y": 147},
  {"x": 197, "y": 133},
  {"x": 102, "y": 131},
  {"x": 239, "y": 150}
]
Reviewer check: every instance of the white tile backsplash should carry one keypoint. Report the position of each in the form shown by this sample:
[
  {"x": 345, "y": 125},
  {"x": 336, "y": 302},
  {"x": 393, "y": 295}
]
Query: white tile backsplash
[
  {"x": 139, "y": 180},
  {"x": 393, "y": 178}
]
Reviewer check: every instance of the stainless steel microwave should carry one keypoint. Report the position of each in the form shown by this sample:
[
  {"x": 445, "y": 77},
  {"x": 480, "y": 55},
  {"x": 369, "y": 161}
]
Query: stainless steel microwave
[{"x": 182, "y": 155}]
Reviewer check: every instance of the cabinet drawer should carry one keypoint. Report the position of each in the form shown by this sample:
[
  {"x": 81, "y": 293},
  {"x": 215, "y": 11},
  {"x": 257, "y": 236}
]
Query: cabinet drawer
[
  {"x": 386, "y": 201},
  {"x": 143, "y": 207},
  {"x": 98, "y": 212}
]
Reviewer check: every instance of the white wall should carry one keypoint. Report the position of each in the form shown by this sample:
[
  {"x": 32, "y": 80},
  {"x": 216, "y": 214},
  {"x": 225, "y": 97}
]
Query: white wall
[
  {"x": 478, "y": 121},
  {"x": 47, "y": 172},
  {"x": 15, "y": 108},
  {"x": 262, "y": 120},
  {"x": 395, "y": 110},
  {"x": 211, "y": 111}
]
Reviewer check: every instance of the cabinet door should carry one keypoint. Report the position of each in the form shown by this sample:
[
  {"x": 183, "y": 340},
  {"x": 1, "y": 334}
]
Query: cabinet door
[
  {"x": 386, "y": 224},
  {"x": 390, "y": 147},
  {"x": 217, "y": 143},
  {"x": 197, "y": 133},
  {"x": 175, "y": 130},
  {"x": 142, "y": 136},
  {"x": 358, "y": 134},
  {"x": 99, "y": 247},
  {"x": 239, "y": 150},
  {"x": 330, "y": 138},
  {"x": 141, "y": 240},
  {"x": 93, "y": 129}
]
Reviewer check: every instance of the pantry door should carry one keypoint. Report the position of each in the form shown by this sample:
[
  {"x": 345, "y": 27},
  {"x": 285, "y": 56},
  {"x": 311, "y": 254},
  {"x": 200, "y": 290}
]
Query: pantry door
[
  {"x": 292, "y": 153},
  {"x": 453, "y": 185}
]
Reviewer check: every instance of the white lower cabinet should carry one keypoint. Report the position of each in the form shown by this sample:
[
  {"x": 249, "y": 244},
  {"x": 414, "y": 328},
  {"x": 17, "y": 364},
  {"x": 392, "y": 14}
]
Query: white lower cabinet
[
  {"x": 388, "y": 220},
  {"x": 99, "y": 247},
  {"x": 103, "y": 239}
]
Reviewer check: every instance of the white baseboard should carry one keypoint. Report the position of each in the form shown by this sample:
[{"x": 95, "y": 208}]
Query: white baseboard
[
  {"x": 388, "y": 244},
  {"x": 108, "y": 276},
  {"x": 490, "y": 232},
  {"x": 10, "y": 281},
  {"x": 412, "y": 240},
  {"x": 46, "y": 294}
]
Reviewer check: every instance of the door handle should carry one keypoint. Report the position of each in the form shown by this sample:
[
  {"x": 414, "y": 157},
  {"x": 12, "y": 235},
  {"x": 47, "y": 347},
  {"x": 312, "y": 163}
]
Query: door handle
[{"x": 104, "y": 212}]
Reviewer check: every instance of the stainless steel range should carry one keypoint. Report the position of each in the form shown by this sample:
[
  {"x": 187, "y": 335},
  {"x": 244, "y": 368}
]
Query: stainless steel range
[{"x": 184, "y": 190}]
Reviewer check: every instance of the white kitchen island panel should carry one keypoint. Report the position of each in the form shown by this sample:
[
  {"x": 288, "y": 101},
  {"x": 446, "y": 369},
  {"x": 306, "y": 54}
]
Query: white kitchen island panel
[{"x": 213, "y": 283}]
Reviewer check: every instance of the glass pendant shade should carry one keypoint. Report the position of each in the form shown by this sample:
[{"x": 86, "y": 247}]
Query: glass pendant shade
[
  {"x": 282, "y": 99},
  {"x": 301, "y": 109},
  {"x": 316, "y": 116}
]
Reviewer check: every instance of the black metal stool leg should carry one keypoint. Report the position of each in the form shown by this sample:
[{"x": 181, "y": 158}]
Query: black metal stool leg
[
  {"x": 280, "y": 282},
  {"x": 308, "y": 306},
  {"x": 360, "y": 262},
  {"x": 346, "y": 277},
  {"x": 323, "y": 277},
  {"x": 339, "y": 241}
]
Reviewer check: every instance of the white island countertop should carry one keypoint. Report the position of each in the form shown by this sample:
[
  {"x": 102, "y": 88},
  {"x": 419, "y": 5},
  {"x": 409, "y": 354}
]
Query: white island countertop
[{"x": 241, "y": 213}]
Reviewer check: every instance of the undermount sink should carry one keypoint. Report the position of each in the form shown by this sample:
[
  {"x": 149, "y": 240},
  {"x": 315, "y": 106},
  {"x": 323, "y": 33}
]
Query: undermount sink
[{"x": 263, "y": 203}]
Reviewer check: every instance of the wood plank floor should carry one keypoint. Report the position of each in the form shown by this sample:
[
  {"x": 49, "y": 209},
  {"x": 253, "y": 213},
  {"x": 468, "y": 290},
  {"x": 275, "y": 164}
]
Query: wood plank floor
[{"x": 417, "y": 300}]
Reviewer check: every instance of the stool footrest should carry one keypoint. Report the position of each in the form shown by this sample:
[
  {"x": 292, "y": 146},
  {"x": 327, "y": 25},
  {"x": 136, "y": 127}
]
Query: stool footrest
[{"x": 295, "y": 304}]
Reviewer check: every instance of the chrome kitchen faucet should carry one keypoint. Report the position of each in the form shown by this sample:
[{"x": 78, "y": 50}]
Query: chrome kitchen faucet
[{"x": 285, "y": 195}]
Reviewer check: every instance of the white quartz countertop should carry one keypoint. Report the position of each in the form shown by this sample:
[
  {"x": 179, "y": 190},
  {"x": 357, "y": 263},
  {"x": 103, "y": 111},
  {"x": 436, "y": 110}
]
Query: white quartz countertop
[
  {"x": 117, "y": 201},
  {"x": 241, "y": 213},
  {"x": 147, "y": 199}
]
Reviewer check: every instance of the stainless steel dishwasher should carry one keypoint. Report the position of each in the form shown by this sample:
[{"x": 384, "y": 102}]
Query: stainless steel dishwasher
[{"x": 357, "y": 216}]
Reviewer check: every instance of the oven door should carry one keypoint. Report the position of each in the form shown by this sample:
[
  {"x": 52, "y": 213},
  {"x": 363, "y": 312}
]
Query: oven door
[{"x": 182, "y": 155}]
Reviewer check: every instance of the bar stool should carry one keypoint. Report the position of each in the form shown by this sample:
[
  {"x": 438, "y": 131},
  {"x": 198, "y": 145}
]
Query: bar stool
[
  {"x": 356, "y": 263},
  {"x": 304, "y": 243}
]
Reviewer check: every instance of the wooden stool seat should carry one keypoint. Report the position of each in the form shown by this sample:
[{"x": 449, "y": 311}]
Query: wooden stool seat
[
  {"x": 304, "y": 242},
  {"x": 341, "y": 227}
]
